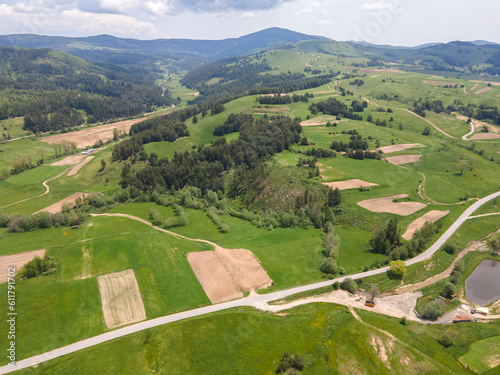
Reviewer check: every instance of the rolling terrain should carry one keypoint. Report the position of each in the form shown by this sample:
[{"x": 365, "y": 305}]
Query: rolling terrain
[{"x": 248, "y": 159}]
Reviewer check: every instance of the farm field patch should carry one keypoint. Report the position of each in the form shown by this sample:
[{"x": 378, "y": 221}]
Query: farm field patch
[
  {"x": 70, "y": 160},
  {"x": 79, "y": 166},
  {"x": 397, "y": 148},
  {"x": 121, "y": 299},
  {"x": 403, "y": 159},
  {"x": 431, "y": 216},
  {"x": 387, "y": 204},
  {"x": 17, "y": 261},
  {"x": 57, "y": 207},
  {"x": 349, "y": 184}
]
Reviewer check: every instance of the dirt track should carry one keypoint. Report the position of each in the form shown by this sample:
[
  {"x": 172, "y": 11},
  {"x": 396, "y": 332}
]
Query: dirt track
[
  {"x": 17, "y": 261},
  {"x": 79, "y": 166}
]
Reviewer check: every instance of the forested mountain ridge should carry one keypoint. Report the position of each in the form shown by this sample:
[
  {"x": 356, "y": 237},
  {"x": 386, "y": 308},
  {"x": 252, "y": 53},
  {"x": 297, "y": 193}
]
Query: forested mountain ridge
[
  {"x": 187, "y": 52},
  {"x": 56, "y": 90}
]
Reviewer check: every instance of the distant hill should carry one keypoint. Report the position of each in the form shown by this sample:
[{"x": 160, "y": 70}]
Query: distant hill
[{"x": 115, "y": 50}]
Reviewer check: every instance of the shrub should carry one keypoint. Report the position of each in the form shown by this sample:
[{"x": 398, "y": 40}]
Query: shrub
[
  {"x": 290, "y": 361},
  {"x": 449, "y": 289},
  {"x": 397, "y": 268},
  {"x": 446, "y": 340},
  {"x": 403, "y": 321},
  {"x": 156, "y": 216},
  {"x": 336, "y": 285},
  {"x": 431, "y": 310},
  {"x": 329, "y": 266},
  {"x": 38, "y": 266},
  {"x": 450, "y": 248},
  {"x": 349, "y": 285}
]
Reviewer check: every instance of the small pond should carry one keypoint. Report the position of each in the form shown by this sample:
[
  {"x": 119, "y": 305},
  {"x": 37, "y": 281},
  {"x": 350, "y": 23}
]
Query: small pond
[{"x": 482, "y": 287}]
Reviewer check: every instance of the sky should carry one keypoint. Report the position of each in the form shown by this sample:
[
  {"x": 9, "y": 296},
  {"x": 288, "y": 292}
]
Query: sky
[{"x": 395, "y": 22}]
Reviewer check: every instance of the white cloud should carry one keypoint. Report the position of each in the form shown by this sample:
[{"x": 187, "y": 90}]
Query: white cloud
[
  {"x": 158, "y": 8},
  {"x": 381, "y": 5},
  {"x": 120, "y": 6},
  {"x": 6, "y": 10},
  {"x": 248, "y": 15},
  {"x": 325, "y": 22}
]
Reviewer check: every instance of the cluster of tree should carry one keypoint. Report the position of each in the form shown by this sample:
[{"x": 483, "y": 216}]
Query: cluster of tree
[
  {"x": 50, "y": 89},
  {"x": 331, "y": 248},
  {"x": 388, "y": 241},
  {"x": 359, "y": 105},
  {"x": 233, "y": 123},
  {"x": 357, "y": 82},
  {"x": 239, "y": 77},
  {"x": 38, "y": 267},
  {"x": 41, "y": 220},
  {"x": 62, "y": 119},
  {"x": 274, "y": 99},
  {"x": 290, "y": 363},
  {"x": 156, "y": 129},
  {"x": 204, "y": 168},
  {"x": 334, "y": 107},
  {"x": 213, "y": 213},
  {"x": 431, "y": 310},
  {"x": 320, "y": 153}
]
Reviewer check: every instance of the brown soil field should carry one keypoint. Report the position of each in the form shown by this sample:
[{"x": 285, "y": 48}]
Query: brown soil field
[
  {"x": 213, "y": 277},
  {"x": 282, "y": 94},
  {"x": 440, "y": 83},
  {"x": 492, "y": 83},
  {"x": 322, "y": 120},
  {"x": 89, "y": 136},
  {"x": 375, "y": 76},
  {"x": 70, "y": 160},
  {"x": 79, "y": 166},
  {"x": 474, "y": 87},
  {"x": 386, "y": 204},
  {"x": 121, "y": 299},
  {"x": 397, "y": 148},
  {"x": 484, "y": 136},
  {"x": 415, "y": 225},
  {"x": 349, "y": 184},
  {"x": 370, "y": 71},
  {"x": 194, "y": 93},
  {"x": 403, "y": 159},
  {"x": 244, "y": 268},
  {"x": 57, "y": 207},
  {"x": 17, "y": 261},
  {"x": 482, "y": 91}
]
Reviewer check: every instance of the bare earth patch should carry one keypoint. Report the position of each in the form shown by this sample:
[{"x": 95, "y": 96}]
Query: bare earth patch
[
  {"x": 440, "y": 83},
  {"x": 194, "y": 93},
  {"x": 482, "y": 91},
  {"x": 349, "y": 184},
  {"x": 266, "y": 110},
  {"x": 322, "y": 120},
  {"x": 17, "y": 261},
  {"x": 244, "y": 268},
  {"x": 75, "y": 170},
  {"x": 403, "y": 159},
  {"x": 431, "y": 216},
  {"x": 474, "y": 87},
  {"x": 70, "y": 160},
  {"x": 397, "y": 148},
  {"x": 491, "y": 83},
  {"x": 57, "y": 207},
  {"x": 485, "y": 136},
  {"x": 213, "y": 277},
  {"x": 386, "y": 204},
  {"x": 121, "y": 299},
  {"x": 89, "y": 136}
]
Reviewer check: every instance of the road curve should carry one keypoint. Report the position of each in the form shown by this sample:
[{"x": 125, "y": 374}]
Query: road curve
[{"x": 248, "y": 301}]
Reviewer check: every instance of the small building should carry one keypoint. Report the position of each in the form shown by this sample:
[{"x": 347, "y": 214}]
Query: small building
[{"x": 462, "y": 319}]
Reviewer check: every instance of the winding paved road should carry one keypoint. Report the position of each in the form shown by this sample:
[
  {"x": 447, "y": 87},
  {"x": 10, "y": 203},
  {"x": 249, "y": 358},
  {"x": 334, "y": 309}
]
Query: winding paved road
[{"x": 248, "y": 301}]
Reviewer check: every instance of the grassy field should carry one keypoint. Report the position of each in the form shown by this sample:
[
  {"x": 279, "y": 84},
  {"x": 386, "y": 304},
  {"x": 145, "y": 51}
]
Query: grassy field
[
  {"x": 290, "y": 256},
  {"x": 482, "y": 355},
  {"x": 49, "y": 303},
  {"x": 244, "y": 341}
]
